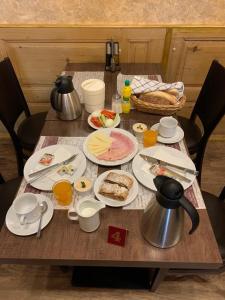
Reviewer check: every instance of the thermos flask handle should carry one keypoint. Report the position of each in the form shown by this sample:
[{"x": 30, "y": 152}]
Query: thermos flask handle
[
  {"x": 53, "y": 98},
  {"x": 192, "y": 212}
]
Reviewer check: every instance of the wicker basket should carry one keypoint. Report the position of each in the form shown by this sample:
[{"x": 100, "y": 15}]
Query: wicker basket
[{"x": 157, "y": 109}]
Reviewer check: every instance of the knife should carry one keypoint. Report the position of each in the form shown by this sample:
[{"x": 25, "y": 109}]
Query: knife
[
  {"x": 162, "y": 162},
  {"x": 47, "y": 169}
]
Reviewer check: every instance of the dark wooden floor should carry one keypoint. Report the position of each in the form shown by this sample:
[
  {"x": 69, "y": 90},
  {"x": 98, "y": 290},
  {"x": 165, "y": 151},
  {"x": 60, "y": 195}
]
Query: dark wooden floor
[{"x": 48, "y": 283}]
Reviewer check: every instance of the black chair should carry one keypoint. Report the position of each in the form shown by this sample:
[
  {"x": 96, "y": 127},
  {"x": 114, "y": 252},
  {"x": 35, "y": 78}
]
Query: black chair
[
  {"x": 8, "y": 192},
  {"x": 209, "y": 108},
  {"x": 12, "y": 105},
  {"x": 216, "y": 210}
]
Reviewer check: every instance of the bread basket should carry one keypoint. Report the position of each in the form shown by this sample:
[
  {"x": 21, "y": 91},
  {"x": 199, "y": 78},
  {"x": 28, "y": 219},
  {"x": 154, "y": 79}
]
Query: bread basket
[{"x": 157, "y": 109}]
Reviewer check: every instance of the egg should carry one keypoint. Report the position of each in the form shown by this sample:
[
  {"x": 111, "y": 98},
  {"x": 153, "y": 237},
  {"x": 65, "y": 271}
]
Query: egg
[
  {"x": 96, "y": 113},
  {"x": 109, "y": 123}
]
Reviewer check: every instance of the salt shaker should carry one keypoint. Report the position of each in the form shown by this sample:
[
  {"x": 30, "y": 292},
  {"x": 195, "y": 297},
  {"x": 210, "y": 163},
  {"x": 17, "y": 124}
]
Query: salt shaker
[{"x": 116, "y": 103}]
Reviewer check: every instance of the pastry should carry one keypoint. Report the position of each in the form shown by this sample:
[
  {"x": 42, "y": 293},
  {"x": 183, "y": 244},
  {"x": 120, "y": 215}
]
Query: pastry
[
  {"x": 121, "y": 180},
  {"x": 116, "y": 186},
  {"x": 113, "y": 191}
]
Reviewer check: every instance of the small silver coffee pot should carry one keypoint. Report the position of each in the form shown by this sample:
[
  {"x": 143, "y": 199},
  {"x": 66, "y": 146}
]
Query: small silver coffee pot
[
  {"x": 163, "y": 220},
  {"x": 65, "y": 100}
]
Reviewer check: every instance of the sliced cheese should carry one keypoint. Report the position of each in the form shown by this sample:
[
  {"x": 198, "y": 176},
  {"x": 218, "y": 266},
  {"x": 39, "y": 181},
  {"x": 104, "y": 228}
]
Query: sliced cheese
[{"x": 99, "y": 143}]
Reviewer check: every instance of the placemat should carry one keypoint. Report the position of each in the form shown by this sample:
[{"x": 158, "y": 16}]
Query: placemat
[
  {"x": 79, "y": 77},
  {"x": 44, "y": 141},
  {"x": 145, "y": 195}
]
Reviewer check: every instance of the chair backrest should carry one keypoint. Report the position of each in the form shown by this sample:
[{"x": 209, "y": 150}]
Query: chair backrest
[
  {"x": 12, "y": 100},
  {"x": 210, "y": 105},
  {"x": 1, "y": 179}
]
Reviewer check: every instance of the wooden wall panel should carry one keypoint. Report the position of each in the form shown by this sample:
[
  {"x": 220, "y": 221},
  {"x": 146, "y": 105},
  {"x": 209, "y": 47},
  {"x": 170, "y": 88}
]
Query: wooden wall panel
[
  {"x": 40, "y": 54},
  {"x": 190, "y": 55}
]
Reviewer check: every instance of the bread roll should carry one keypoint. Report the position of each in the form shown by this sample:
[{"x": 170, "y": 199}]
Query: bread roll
[
  {"x": 159, "y": 97},
  {"x": 172, "y": 92}
]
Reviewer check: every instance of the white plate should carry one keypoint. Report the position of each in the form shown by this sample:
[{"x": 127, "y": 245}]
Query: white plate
[
  {"x": 179, "y": 135},
  {"x": 45, "y": 183},
  {"x": 168, "y": 154},
  {"x": 95, "y": 127},
  {"x": 111, "y": 202},
  {"x": 107, "y": 131},
  {"x": 14, "y": 226}
]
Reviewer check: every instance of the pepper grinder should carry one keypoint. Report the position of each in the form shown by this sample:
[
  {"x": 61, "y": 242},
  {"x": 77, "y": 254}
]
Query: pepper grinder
[{"x": 108, "y": 56}]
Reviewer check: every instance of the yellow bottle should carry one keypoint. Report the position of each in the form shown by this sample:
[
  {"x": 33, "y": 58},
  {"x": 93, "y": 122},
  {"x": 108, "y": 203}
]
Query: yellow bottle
[{"x": 126, "y": 93}]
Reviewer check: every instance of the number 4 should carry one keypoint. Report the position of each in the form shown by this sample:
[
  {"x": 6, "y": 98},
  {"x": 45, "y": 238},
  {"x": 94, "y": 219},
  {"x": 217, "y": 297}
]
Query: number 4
[{"x": 116, "y": 236}]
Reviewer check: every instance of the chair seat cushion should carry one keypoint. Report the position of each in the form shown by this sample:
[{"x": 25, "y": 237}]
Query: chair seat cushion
[
  {"x": 216, "y": 211},
  {"x": 7, "y": 191},
  {"x": 30, "y": 129},
  {"x": 192, "y": 134}
]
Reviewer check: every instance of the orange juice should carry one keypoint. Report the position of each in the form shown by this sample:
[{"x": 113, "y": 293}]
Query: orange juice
[
  {"x": 63, "y": 192},
  {"x": 150, "y": 138}
]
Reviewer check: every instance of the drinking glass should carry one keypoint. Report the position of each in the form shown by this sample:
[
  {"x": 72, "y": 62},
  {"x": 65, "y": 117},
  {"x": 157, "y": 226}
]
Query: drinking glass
[
  {"x": 150, "y": 138},
  {"x": 63, "y": 192}
]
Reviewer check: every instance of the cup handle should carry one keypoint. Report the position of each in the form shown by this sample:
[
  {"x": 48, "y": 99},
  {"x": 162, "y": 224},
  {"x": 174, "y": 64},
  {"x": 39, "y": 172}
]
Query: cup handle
[
  {"x": 72, "y": 214},
  {"x": 22, "y": 220}
]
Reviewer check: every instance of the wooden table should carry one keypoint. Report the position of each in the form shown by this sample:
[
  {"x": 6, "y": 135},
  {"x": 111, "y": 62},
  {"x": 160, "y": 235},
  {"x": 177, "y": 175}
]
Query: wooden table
[{"x": 63, "y": 243}]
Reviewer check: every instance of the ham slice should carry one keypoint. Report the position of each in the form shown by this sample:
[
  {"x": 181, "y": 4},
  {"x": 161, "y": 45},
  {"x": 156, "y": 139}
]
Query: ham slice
[{"x": 121, "y": 147}]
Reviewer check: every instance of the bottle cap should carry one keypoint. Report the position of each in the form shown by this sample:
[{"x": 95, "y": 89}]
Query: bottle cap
[{"x": 127, "y": 82}]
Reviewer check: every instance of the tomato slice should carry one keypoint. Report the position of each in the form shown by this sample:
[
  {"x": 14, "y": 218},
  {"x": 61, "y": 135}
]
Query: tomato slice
[
  {"x": 96, "y": 121},
  {"x": 108, "y": 114}
]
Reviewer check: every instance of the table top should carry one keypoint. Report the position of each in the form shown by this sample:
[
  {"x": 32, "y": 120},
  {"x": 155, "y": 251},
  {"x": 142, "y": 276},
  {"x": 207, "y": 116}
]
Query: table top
[{"x": 63, "y": 242}]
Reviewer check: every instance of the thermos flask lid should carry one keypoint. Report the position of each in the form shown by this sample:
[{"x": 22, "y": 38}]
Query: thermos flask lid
[{"x": 64, "y": 84}]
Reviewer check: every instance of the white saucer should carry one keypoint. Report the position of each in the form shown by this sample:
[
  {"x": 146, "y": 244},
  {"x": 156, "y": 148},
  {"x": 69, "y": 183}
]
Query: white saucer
[
  {"x": 179, "y": 135},
  {"x": 14, "y": 226}
]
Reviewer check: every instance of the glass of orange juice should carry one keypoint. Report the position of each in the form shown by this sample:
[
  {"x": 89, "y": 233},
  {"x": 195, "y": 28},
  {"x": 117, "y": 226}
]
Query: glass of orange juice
[
  {"x": 150, "y": 138},
  {"x": 63, "y": 192}
]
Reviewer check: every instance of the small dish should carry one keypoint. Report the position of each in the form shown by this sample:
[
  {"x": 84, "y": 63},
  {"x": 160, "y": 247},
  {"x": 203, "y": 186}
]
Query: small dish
[
  {"x": 14, "y": 226},
  {"x": 83, "y": 186},
  {"x": 179, "y": 135},
  {"x": 139, "y": 129},
  {"x": 115, "y": 124}
]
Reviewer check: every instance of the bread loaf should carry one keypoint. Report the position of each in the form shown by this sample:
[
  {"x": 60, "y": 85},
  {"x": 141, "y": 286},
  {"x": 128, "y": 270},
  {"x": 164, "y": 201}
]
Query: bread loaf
[
  {"x": 159, "y": 97},
  {"x": 172, "y": 92}
]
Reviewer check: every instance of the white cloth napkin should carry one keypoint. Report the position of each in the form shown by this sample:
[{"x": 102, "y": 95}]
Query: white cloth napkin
[{"x": 144, "y": 85}]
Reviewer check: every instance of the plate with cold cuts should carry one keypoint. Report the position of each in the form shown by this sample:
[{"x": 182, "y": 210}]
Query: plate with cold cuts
[{"x": 110, "y": 146}]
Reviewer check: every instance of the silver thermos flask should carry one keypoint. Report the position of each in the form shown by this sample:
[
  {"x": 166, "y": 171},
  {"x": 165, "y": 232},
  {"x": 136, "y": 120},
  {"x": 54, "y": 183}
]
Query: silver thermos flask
[
  {"x": 163, "y": 220},
  {"x": 65, "y": 100}
]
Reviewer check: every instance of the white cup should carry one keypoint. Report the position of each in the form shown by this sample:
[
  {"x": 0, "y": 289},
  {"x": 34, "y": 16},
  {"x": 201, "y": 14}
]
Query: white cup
[
  {"x": 93, "y": 91},
  {"x": 167, "y": 127},
  {"x": 86, "y": 213},
  {"x": 27, "y": 208}
]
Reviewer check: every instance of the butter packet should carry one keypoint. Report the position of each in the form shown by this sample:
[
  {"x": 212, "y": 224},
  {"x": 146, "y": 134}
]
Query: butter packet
[{"x": 66, "y": 170}]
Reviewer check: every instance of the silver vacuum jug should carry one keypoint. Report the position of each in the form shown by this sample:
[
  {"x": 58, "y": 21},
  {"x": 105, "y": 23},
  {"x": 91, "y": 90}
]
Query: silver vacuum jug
[
  {"x": 163, "y": 220},
  {"x": 65, "y": 100}
]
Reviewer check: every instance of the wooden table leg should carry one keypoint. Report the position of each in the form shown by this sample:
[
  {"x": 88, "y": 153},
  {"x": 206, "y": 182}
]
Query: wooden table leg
[{"x": 157, "y": 277}]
